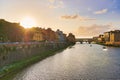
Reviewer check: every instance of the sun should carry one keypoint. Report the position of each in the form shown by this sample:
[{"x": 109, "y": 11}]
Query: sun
[{"x": 27, "y": 22}]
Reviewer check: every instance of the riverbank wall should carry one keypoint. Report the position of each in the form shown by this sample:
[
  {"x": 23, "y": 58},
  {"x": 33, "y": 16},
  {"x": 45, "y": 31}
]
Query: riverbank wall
[
  {"x": 116, "y": 44},
  {"x": 112, "y": 44},
  {"x": 24, "y": 54}
]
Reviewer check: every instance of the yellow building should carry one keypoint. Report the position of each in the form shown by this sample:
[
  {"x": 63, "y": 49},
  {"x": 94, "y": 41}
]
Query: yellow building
[
  {"x": 115, "y": 36},
  {"x": 112, "y": 37},
  {"x": 38, "y": 36},
  {"x": 101, "y": 39},
  {"x": 107, "y": 36}
]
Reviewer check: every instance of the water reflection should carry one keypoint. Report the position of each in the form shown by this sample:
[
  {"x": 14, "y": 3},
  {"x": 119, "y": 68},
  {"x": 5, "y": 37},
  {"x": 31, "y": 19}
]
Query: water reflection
[
  {"x": 77, "y": 62},
  {"x": 105, "y": 49}
]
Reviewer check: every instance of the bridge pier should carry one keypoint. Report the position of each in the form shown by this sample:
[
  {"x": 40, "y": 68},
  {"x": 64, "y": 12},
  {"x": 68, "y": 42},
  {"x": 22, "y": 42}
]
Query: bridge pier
[
  {"x": 87, "y": 40},
  {"x": 81, "y": 42}
]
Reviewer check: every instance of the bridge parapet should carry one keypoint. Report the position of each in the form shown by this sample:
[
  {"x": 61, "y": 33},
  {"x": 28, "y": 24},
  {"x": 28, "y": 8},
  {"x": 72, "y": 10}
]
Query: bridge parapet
[{"x": 87, "y": 40}]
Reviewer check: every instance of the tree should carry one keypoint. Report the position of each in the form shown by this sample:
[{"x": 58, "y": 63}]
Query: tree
[{"x": 11, "y": 31}]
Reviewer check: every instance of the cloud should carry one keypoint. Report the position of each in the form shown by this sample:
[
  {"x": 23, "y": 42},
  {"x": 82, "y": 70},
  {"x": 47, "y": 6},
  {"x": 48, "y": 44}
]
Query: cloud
[
  {"x": 103, "y": 11},
  {"x": 81, "y": 18},
  {"x": 56, "y": 4},
  {"x": 51, "y": 1},
  {"x": 89, "y": 9},
  {"x": 93, "y": 30},
  {"x": 69, "y": 16}
]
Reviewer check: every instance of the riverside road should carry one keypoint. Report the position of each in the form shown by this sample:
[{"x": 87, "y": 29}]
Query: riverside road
[{"x": 78, "y": 62}]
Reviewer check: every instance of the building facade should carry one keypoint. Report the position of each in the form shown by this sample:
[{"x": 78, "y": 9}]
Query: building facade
[
  {"x": 115, "y": 36},
  {"x": 112, "y": 37},
  {"x": 61, "y": 36},
  {"x": 107, "y": 36},
  {"x": 101, "y": 39},
  {"x": 38, "y": 36}
]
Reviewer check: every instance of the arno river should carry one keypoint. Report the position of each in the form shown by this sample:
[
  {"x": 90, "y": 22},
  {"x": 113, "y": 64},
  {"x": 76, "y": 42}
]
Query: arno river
[{"x": 79, "y": 62}]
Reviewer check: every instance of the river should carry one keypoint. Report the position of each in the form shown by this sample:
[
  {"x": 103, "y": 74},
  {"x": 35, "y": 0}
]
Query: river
[{"x": 78, "y": 62}]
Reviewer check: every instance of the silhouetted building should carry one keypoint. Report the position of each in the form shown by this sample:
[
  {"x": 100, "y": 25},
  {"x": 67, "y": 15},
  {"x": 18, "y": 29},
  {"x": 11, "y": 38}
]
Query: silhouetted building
[
  {"x": 71, "y": 38},
  {"x": 61, "y": 36}
]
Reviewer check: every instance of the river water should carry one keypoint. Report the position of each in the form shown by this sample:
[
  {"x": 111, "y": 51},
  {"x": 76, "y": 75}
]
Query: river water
[{"x": 78, "y": 62}]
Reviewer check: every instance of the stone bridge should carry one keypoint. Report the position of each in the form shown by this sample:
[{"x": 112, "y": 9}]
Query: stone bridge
[{"x": 87, "y": 40}]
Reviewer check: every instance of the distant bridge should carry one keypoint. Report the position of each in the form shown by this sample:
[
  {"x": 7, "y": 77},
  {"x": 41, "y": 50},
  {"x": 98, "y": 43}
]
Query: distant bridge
[{"x": 87, "y": 40}]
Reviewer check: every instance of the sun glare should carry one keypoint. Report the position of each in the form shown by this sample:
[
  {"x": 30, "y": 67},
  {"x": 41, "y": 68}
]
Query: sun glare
[{"x": 27, "y": 22}]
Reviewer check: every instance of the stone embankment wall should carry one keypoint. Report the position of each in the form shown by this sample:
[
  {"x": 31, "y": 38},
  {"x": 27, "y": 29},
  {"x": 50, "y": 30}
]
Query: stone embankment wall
[
  {"x": 10, "y": 53},
  {"x": 113, "y": 43}
]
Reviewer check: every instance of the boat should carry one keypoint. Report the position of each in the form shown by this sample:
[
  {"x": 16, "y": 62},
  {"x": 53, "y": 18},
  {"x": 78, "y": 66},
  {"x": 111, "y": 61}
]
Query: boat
[{"x": 104, "y": 47}]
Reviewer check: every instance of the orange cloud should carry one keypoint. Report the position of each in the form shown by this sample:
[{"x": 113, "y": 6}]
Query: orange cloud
[
  {"x": 69, "y": 16},
  {"x": 81, "y": 18},
  {"x": 93, "y": 30}
]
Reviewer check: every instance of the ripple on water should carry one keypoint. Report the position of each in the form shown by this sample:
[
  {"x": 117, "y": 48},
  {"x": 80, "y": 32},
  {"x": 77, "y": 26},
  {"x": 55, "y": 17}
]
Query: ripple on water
[{"x": 77, "y": 62}]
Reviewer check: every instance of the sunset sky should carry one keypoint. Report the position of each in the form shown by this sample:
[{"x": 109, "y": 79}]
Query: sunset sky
[{"x": 84, "y": 18}]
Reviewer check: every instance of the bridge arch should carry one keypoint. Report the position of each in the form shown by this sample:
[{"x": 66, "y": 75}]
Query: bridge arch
[{"x": 82, "y": 40}]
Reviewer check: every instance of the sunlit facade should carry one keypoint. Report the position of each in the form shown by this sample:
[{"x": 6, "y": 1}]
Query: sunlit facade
[{"x": 38, "y": 36}]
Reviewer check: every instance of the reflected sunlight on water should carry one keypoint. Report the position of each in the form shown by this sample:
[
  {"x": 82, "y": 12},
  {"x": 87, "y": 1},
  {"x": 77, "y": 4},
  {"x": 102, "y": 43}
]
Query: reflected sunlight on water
[{"x": 77, "y": 62}]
